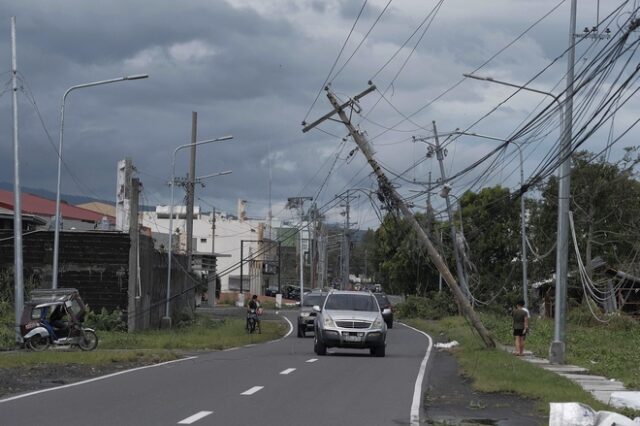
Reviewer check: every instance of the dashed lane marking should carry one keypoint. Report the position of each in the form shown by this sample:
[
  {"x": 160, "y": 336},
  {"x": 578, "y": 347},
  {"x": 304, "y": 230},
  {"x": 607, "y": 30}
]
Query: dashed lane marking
[
  {"x": 312, "y": 360},
  {"x": 287, "y": 371},
  {"x": 195, "y": 417},
  {"x": 252, "y": 390}
]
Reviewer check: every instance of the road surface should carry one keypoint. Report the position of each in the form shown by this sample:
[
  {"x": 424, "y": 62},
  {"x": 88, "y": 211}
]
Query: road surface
[{"x": 273, "y": 384}]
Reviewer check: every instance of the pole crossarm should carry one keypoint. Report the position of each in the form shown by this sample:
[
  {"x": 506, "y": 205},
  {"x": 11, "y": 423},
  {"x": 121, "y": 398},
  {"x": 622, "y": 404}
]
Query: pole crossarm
[{"x": 337, "y": 109}]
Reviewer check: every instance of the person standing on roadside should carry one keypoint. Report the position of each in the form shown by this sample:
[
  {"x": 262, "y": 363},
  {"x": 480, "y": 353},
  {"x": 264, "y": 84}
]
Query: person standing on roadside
[{"x": 520, "y": 326}]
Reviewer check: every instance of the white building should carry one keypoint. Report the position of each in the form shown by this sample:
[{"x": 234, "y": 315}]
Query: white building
[{"x": 232, "y": 236}]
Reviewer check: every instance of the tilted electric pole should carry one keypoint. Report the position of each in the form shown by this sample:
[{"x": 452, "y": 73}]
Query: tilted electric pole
[{"x": 387, "y": 191}]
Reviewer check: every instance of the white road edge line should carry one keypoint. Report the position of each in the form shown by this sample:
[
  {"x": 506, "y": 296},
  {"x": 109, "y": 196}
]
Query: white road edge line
[
  {"x": 312, "y": 360},
  {"x": 287, "y": 371},
  {"x": 417, "y": 388},
  {"x": 252, "y": 390},
  {"x": 95, "y": 379},
  {"x": 195, "y": 417}
]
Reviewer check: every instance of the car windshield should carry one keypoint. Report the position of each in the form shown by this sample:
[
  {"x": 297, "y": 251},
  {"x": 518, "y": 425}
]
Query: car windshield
[
  {"x": 351, "y": 302},
  {"x": 313, "y": 299}
]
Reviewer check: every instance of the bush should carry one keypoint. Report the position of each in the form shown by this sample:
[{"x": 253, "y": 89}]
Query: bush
[
  {"x": 435, "y": 306},
  {"x": 106, "y": 321}
]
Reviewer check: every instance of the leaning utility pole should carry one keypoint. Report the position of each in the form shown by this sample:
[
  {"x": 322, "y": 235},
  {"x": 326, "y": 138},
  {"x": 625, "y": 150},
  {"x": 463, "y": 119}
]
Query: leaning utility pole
[
  {"x": 191, "y": 185},
  {"x": 389, "y": 193}
]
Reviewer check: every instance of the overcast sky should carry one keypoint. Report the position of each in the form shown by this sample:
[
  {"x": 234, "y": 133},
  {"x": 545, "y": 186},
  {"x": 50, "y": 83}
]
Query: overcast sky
[{"x": 253, "y": 68}]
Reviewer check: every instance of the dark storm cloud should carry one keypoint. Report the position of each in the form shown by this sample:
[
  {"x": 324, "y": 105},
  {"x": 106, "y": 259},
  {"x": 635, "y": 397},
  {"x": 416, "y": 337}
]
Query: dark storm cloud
[{"x": 249, "y": 68}]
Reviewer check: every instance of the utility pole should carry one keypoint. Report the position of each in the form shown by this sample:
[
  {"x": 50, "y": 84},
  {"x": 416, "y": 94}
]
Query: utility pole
[
  {"x": 134, "y": 255},
  {"x": 298, "y": 203},
  {"x": 17, "y": 198},
  {"x": 191, "y": 185},
  {"x": 452, "y": 226},
  {"x": 389, "y": 193},
  {"x": 558, "y": 346},
  {"x": 347, "y": 248},
  {"x": 213, "y": 283}
]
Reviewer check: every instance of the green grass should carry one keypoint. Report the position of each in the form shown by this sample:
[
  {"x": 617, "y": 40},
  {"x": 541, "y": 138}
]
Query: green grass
[
  {"x": 152, "y": 346},
  {"x": 206, "y": 335},
  {"x": 499, "y": 371},
  {"x": 609, "y": 350}
]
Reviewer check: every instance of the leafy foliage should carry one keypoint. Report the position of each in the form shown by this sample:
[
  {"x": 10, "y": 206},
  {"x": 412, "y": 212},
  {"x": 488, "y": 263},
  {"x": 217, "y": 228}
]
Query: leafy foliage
[
  {"x": 106, "y": 321},
  {"x": 435, "y": 306}
]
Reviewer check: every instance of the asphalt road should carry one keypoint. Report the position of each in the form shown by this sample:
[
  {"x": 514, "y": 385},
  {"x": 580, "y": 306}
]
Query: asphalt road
[{"x": 277, "y": 383}]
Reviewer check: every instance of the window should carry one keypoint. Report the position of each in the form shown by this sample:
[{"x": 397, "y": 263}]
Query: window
[{"x": 203, "y": 240}]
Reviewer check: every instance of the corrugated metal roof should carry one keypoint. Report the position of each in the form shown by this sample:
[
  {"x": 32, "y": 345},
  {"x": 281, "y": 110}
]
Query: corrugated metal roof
[{"x": 32, "y": 204}]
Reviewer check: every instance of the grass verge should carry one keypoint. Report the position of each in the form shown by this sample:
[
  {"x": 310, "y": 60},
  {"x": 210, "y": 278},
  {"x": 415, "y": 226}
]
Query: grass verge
[
  {"x": 499, "y": 371},
  {"x": 152, "y": 346}
]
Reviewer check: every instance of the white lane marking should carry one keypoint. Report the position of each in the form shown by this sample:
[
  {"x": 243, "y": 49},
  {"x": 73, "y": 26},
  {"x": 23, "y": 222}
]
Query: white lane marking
[
  {"x": 286, "y": 335},
  {"x": 252, "y": 390},
  {"x": 287, "y": 371},
  {"x": 95, "y": 379},
  {"x": 312, "y": 360},
  {"x": 195, "y": 417},
  {"x": 230, "y": 349},
  {"x": 417, "y": 388}
]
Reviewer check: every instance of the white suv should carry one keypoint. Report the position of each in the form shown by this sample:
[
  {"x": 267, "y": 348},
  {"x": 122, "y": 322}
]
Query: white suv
[{"x": 350, "y": 319}]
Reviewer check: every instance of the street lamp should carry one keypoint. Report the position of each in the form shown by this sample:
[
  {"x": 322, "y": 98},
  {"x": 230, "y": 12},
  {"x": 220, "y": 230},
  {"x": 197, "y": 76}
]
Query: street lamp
[
  {"x": 167, "y": 318},
  {"x": 56, "y": 235},
  {"x": 557, "y": 349}
]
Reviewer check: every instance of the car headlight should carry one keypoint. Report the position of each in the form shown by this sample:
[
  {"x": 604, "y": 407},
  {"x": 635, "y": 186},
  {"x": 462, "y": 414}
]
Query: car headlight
[
  {"x": 327, "y": 321},
  {"x": 377, "y": 323},
  {"x": 304, "y": 314}
]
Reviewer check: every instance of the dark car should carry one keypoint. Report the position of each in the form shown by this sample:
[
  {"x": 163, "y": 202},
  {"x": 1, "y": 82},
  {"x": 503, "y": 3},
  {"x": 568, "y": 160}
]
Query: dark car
[
  {"x": 271, "y": 291},
  {"x": 307, "y": 316},
  {"x": 384, "y": 303}
]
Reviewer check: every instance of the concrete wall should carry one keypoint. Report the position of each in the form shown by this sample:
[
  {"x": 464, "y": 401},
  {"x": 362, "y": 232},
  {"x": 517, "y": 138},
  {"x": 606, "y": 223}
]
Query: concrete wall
[{"x": 97, "y": 264}]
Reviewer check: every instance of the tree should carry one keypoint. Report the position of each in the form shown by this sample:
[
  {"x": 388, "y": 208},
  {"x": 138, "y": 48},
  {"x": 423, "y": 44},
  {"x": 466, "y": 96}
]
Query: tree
[{"x": 403, "y": 268}]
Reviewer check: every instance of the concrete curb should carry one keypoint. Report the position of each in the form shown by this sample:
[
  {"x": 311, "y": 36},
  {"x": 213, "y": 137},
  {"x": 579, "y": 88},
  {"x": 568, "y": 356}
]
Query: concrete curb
[{"x": 602, "y": 388}]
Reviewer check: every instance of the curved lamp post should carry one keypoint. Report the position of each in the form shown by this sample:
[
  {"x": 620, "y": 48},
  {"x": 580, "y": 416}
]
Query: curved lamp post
[
  {"x": 167, "y": 318},
  {"x": 56, "y": 235}
]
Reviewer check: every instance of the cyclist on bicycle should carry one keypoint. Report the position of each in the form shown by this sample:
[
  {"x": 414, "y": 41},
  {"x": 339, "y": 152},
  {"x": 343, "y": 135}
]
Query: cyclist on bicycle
[{"x": 253, "y": 311}]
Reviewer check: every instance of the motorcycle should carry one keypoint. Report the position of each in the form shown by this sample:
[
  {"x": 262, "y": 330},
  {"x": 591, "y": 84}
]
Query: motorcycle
[
  {"x": 42, "y": 322},
  {"x": 253, "y": 321}
]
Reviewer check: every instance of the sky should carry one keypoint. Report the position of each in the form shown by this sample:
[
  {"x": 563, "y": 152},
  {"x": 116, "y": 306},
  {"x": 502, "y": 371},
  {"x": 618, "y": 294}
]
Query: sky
[{"x": 255, "y": 69}]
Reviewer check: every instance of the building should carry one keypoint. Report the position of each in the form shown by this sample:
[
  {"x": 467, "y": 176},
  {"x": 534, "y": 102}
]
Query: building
[
  {"x": 234, "y": 238},
  {"x": 73, "y": 217}
]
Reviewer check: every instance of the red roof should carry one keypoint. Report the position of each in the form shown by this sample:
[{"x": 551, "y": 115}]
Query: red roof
[{"x": 32, "y": 204}]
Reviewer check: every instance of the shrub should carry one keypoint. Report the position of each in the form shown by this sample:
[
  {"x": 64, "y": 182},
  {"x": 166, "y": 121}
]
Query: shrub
[
  {"x": 105, "y": 320},
  {"x": 435, "y": 306}
]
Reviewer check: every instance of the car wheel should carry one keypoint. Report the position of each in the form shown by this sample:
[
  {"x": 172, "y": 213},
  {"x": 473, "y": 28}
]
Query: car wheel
[
  {"x": 378, "y": 351},
  {"x": 300, "y": 331},
  {"x": 319, "y": 347},
  {"x": 390, "y": 324}
]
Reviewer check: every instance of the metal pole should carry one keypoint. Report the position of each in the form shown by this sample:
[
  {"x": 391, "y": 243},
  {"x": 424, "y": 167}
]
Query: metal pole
[
  {"x": 56, "y": 234},
  {"x": 17, "y": 197},
  {"x": 523, "y": 235},
  {"x": 558, "y": 346}
]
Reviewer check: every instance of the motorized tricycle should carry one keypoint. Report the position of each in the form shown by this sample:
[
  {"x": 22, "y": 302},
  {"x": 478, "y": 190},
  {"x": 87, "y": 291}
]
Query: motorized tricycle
[{"x": 54, "y": 317}]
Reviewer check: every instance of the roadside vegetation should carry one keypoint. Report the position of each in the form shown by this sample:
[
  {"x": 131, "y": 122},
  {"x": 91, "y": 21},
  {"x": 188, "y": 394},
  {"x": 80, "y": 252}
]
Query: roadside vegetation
[
  {"x": 604, "y": 349},
  {"x": 145, "y": 347}
]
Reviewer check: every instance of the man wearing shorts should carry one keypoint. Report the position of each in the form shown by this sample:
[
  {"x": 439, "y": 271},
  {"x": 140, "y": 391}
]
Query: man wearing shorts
[{"x": 520, "y": 326}]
